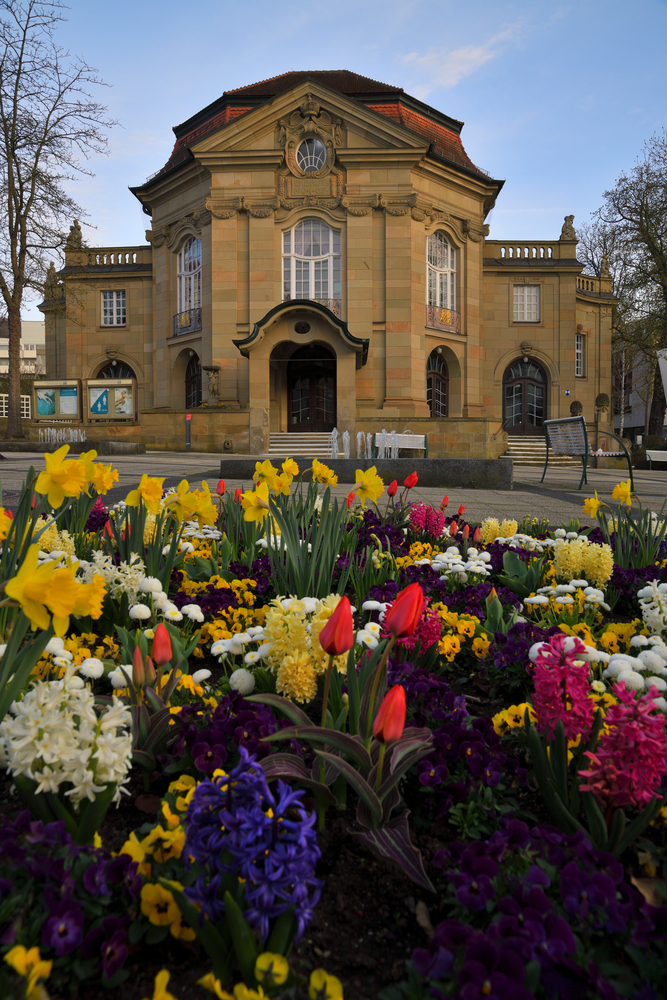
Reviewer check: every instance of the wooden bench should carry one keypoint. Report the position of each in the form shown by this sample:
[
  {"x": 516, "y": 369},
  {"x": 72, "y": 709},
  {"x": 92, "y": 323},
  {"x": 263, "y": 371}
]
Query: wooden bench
[
  {"x": 655, "y": 455},
  {"x": 568, "y": 436},
  {"x": 413, "y": 441}
]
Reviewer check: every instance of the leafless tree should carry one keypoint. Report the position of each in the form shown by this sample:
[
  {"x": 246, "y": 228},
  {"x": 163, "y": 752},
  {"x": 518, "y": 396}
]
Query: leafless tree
[{"x": 49, "y": 126}]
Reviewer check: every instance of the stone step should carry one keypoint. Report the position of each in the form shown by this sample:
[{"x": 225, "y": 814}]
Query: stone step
[{"x": 296, "y": 445}]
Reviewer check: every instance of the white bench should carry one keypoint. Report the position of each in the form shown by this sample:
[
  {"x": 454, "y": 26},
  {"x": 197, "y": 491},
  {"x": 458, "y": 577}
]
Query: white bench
[
  {"x": 413, "y": 441},
  {"x": 655, "y": 456}
]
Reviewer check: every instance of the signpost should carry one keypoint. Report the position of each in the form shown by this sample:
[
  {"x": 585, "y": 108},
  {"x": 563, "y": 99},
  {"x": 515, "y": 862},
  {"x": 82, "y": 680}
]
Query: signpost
[{"x": 188, "y": 424}]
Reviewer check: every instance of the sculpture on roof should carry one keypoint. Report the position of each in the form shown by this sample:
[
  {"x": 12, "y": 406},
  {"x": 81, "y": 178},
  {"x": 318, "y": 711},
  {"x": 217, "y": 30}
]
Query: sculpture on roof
[
  {"x": 567, "y": 232},
  {"x": 74, "y": 240},
  {"x": 604, "y": 267}
]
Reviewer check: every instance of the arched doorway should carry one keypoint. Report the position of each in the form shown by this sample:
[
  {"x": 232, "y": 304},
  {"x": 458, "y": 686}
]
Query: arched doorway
[
  {"x": 437, "y": 385},
  {"x": 193, "y": 382},
  {"x": 115, "y": 369},
  {"x": 311, "y": 389},
  {"x": 524, "y": 398}
]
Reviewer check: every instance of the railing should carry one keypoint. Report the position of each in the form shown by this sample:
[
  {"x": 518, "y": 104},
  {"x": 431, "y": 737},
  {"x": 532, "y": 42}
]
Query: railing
[
  {"x": 587, "y": 284},
  {"x": 187, "y": 322},
  {"x": 443, "y": 319},
  {"x": 334, "y": 305},
  {"x": 520, "y": 250},
  {"x": 26, "y": 406},
  {"x": 119, "y": 256}
]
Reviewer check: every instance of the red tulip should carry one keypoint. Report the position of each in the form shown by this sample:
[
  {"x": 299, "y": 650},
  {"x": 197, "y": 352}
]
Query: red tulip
[
  {"x": 337, "y": 636},
  {"x": 9, "y": 515},
  {"x": 466, "y": 532},
  {"x": 444, "y": 503},
  {"x": 493, "y": 593},
  {"x": 453, "y": 528},
  {"x": 477, "y": 535},
  {"x": 390, "y": 720},
  {"x": 411, "y": 480},
  {"x": 220, "y": 488},
  {"x": 403, "y": 616},
  {"x": 391, "y": 489},
  {"x": 350, "y": 499},
  {"x": 237, "y": 495},
  {"x": 138, "y": 669},
  {"x": 161, "y": 651},
  {"x": 107, "y": 532},
  {"x": 461, "y": 509}
]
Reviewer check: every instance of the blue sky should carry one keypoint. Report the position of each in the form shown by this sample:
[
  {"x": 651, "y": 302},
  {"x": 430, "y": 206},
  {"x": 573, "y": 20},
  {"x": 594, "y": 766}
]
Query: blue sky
[{"x": 557, "y": 98}]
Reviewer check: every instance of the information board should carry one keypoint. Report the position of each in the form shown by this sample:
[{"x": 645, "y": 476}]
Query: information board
[
  {"x": 111, "y": 399},
  {"x": 56, "y": 400},
  {"x": 567, "y": 436}
]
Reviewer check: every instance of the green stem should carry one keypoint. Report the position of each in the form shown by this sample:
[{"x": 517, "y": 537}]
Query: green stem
[
  {"x": 378, "y": 780},
  {"x": 374, "y": 687},
  {"x": 321, "y": 809}
]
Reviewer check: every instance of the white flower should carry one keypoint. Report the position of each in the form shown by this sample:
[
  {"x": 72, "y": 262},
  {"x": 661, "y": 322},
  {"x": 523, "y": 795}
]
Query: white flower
[
  {"x": 242, "y": 681},
  {"x": 565, "y": 588},
  {"x": 256, "y": 631},
  {"x": 186, "y": 547},
  {"x": 168, "y": 606},
  {"x": 579, "y": 583},
  {"x": 92, "y": 667},
  {"x": 564, "y": 599},
  {"x": 159, "y": 600},
  {"x": 559, "y": 532},
  {"x": 598, "y": 687},
  {"x": 311, "y": 605},
  {"x": 149, "y": 633},
  {"x": 173, "y": 614},
  {"x": 631, "y": 679},
  {"x": 251, "y": 658},
  {"x": 366, "y": 638},
  {"x": 150, "y": 585},
  {"x": 572, "y": 534},
  {"x": 55, "y": 645},
  {"x": 639, "y": 640},
  {"x": 535, "y": 650},
  {"x": 139, "y": 611},
  {"x": 63, "y": 661},
  {"x": 374, "y": 628},
  {"x": 219, "y": 647},
  {"x": 371, "y": 606},
  {"x": 660, "y": 704},
  {"x": 539, "y": 599},
  {"x": 651, "y": 661},
  {"x": 656, "y": 682},
  {"x": 264, "y": 650},
  {"x": 194, "y": 612},
  {"x": 117, "y": 678},
  {"x": 200, "y": 676}
]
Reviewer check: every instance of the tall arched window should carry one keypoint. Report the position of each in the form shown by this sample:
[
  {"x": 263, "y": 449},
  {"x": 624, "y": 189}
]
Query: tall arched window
[
  {"x": 441, "y": 272},
  {"x": 437, "y": 385},
  {"x": 193, "y": 382},
  {"x": 189, "y": 276},
  {"x": 311, "y": 264}
]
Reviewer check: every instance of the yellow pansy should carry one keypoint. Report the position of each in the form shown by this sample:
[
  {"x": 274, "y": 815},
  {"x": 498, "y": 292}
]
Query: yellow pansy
[
  {"x": 61, "y": 478},
  {"x": 160, "y": 991},
  {"x": 30, "y": 587},
  {"x": 324, "y": 987},
  {"x": 256, "y": 504},
  {"x": 181, "y": 930},
  {"x": 369, "y": 485},
  {"x": 103, "y": 477},
  {"x": 271, "y": 969},
  {"x": 164, "y": 844},
  {"x": 623, "y": 493},
  {"x": 182, "y": 784},
  {"x": 29, "y": 964},
  {"x": 150, "y": 491},
  {"x": 158, "y": 904},
  {"x": 213, "y": 985}
]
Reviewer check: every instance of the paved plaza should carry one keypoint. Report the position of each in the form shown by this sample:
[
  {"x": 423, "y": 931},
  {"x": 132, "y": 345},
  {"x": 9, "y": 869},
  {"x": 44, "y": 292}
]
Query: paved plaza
[{"x": 557, "y": 498}]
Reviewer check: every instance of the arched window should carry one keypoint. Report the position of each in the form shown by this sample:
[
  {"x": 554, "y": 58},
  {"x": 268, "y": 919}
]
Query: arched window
[
  {"x": 441, "y": 272},
  {"x": 193, "y": 382},
  {"x": 189, "y": 276},
  {"x": 115, "y": 369},
  {"x": 437, "y": 385},
  {"x": 311, "y": 264}
]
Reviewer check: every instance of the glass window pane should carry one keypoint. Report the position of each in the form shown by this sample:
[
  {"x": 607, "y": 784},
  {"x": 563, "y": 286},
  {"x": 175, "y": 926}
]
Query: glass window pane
[{"x": 287, "y": 284}]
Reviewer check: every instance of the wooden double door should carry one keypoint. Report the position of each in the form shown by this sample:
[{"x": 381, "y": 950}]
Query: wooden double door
[
  {"x": 524, "y": 398},
  {"x": 311, "y": 388}
]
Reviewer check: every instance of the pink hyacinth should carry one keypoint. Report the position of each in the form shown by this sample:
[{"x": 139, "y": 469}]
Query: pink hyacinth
[
  {"x": 429, "y": 630},
  {"x": 629, "y": 762},
  {"x": 418, "y": 516},
  {"x": 435, "y": 522},
  {"x": 562, "y": 688}
]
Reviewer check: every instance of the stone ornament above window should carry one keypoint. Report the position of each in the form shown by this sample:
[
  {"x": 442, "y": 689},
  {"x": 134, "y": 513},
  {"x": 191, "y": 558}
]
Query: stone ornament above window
[{"x": 310, "y": 136}]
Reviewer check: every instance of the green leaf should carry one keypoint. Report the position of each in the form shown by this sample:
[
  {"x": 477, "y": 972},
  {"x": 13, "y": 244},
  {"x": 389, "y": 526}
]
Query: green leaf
[
  {"x": 292, "y": 768},
  {"x": 360, "y": 786},
  {"x": 216, "y": 947},
  {"x": 288, "y": 708},
  {"x": 245, "y": 943},
  {"x": 282, "y": 936},
  {"x": 154, "y": 935},
  {"x": 596, "y": 822},
  {"x": 349, "y": 745},
  {"x": 392, "y": 841}
]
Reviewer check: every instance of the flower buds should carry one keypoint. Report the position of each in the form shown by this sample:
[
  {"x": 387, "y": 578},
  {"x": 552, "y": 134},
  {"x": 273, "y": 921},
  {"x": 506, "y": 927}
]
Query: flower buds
[
  {"x": 391, "y": 489},
  {"x": 461, "y": 509},
  {"x": 466, "y": 532},
  {"x": 453, "y": 528},
  {"x": 350, "y": 499},
  {"x": 238, "y": 493},
  {"x": 138, "y": 669},
  {"x": 444, "y": 503},
  {"x": 411, "y": 480},
  {"x": 477, "y": 535},
  {"x": 161, "y": 652},
  {"x": 337, "y": 636},
  {"x": 220, "y": 488},
  {"x": 403, "y": 616},
  {"x": 150, "y": 671},
  {"x": 390, "y": 720}
]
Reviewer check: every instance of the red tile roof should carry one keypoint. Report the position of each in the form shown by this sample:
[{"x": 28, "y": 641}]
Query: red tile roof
[
  {"x": 181, "y": 150},
  {"x": 342, "y": 80},
  {"x": 445, "y": 142}
]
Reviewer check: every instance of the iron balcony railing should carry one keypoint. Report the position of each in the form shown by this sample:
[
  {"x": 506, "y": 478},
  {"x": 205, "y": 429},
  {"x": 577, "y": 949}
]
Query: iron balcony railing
[
  {"x": 334, "y": 305},
  {"x": 187, "y": 322},
  {"x": 443, "y": 319}
]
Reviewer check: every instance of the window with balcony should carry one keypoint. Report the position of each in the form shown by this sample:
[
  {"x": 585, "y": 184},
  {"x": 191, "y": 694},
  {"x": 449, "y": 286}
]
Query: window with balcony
[
  {"x": 579, "y": 349},
  {"x": 526, "y": 304},
  {"x": 441, "y": 311},
  {"x": 113, "y": 308},
  {"x": 188, "y": 317},
  {"x": 312, "y": 264}
]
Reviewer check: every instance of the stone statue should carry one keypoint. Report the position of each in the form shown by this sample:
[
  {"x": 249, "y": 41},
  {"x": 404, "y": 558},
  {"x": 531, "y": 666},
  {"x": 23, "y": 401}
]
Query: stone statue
[
  {"x": 74, "y": 240},
  {"x": 604, "y": 268},
  {"x": 52, "y": 287},
  {"x": 567, "y": 232},
  {"x": 213, "y": 373}
]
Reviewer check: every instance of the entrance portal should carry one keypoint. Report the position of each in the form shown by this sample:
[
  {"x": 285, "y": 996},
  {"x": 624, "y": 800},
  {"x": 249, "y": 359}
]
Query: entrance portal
[
  {"x": 524, "y": 398},
  {"x": 311, "y": 387}
]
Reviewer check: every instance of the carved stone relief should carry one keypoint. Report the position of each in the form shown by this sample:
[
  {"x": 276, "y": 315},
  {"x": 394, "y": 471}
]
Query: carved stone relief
[
  {"x": 310, "y": 119},
  {"x": 169, "y": 233},
  {"x": 475, "y": 232}
]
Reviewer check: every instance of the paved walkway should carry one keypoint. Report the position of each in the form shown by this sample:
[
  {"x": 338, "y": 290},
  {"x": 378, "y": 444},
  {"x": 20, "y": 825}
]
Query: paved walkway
[{"x": 557, "y": 498}]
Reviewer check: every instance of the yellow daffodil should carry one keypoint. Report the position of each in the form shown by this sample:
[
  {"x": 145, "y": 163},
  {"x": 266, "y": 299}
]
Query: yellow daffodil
[
  {"x": 256, "y": 504},
  {"x": 158, "y": 904},
  {"x": 281, "y": 484},
  {"x": 271, "y": 969},
  {"x": 265, "y": 473},
  {"x": 150, "y": 491},
  {"x": 31, "y": 586},
  {"x": 592, "y": 506},
  {"x": 61, "y": 478},
  {"x": 182, "y": 503},
  {"x": 160, "y": 991},
  {"x": 321, "y": 473},
  {"x": 369, "y": 485},
  {"x": 5, "y": 523},
  {"x": 28, "y": 964},
  {"x": 205, "y": 512},
  {"x": 290, "y": 468},
  {"x": 623, "y": 493},
  {"x": 324, "y": 987},
  {"x": 103, "y": 477}
]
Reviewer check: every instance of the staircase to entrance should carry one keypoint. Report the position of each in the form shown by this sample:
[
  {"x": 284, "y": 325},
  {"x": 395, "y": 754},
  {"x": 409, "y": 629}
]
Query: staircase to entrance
[
  {"x": 307, "y": 445},
  {"x": 532, "y": 451}
]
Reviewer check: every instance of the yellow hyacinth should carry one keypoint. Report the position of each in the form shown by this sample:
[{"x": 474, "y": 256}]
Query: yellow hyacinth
[
  {"x": 369, "y": 485},
  {"x": 256, "y": 504},
  {"x": 61, "y": 478},
  {"x": 623, "y": 493},
  {"x": 150, "y": 491}
]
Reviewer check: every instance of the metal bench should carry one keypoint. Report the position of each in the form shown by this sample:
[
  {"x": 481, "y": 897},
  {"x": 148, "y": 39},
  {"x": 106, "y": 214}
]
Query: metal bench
[
  {"x": 655, "y": 455},
  {"x": 568, "y": 436}
]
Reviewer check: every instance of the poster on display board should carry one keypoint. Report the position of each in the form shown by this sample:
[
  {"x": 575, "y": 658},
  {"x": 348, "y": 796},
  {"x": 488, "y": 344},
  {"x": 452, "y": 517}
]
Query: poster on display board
[
  {"x": 99, "y": 401},
  {"x": 111, "y": 399},
  {"x": 57, "y": 400}
]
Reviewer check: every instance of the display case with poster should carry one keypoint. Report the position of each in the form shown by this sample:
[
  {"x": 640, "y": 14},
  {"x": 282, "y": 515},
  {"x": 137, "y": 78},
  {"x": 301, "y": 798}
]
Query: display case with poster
[
  {"x": 111, "y": 398},
  {"x": 57, "y": 400}
]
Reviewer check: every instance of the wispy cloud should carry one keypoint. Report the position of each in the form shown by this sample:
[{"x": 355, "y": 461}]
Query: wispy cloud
[{"x": 443, "y": 68}]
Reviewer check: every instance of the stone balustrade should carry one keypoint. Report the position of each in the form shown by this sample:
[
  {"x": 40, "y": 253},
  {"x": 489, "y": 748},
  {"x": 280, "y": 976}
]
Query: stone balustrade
[
  {"x": 118, "y": 256},
  {"x": 528, "y": 250}
]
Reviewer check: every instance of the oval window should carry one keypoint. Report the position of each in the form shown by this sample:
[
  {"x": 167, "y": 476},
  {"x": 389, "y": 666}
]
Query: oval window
[{"x": 311, "y": 155}]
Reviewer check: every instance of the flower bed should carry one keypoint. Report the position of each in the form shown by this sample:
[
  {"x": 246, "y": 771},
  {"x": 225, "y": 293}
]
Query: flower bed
[{"x": 276, "y": 745}]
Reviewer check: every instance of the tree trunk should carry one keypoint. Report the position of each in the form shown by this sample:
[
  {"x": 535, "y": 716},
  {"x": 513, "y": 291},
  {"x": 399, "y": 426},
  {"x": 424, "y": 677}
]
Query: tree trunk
[{"x": 14, "y": 426}]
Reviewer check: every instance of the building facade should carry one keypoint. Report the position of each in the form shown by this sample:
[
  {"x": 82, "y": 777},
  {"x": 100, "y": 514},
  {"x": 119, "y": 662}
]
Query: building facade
[{"x": 318, "y": 257}]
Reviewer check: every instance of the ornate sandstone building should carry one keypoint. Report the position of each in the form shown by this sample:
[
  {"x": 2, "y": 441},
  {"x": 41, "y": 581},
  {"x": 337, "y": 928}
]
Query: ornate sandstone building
[{"x": 318, "y": 256}]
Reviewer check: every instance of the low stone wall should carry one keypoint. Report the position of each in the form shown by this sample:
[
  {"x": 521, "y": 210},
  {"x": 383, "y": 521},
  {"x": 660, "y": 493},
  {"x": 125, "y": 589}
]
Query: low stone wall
[
  {"x": 439, "y": 473},
  {"x": 212, "y": 429}
]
